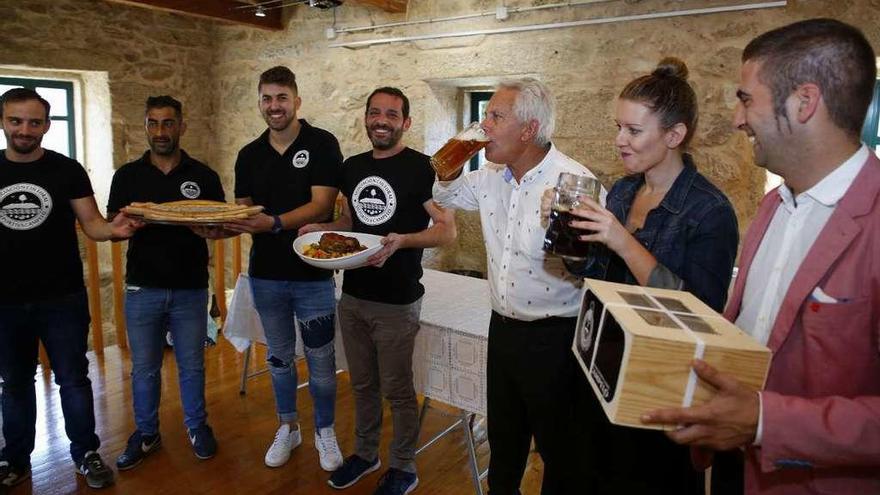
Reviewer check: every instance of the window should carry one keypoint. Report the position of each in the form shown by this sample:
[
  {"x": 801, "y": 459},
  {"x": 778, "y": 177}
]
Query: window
[
  {"x": 62, "y": 133},
  {"x": 479, "y": 102},
  {"x": 871, "y": 130}
]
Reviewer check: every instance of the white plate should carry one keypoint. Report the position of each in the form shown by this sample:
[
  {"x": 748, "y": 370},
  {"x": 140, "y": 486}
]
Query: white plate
[{"x": 370, "y": 241}]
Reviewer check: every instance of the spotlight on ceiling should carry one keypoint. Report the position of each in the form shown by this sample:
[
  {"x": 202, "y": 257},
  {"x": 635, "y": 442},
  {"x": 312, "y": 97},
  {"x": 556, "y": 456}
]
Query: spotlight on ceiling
[
  {"x": 260, "y": 12},
  {"x": 325, "y": 4}
]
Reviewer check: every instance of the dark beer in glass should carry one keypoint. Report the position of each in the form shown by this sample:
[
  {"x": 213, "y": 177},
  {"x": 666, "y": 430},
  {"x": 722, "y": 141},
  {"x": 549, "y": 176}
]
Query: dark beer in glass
[
  {"x": 561, "y": 239},
  {"x": 449, "y": 159}
]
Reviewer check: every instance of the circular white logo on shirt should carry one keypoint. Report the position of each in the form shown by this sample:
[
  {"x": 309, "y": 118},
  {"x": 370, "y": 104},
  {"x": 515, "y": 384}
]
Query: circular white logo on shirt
[
  {"x": 373, "y": 201},
  {"x": 190, "y": 190},
  {"x": 301, "y": 158},
  {"x": 24, "y": 206}
]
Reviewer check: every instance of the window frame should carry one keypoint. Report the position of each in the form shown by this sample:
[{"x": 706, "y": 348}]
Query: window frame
[
  {"x": 871, "y": 129},
  {"x": 34, "y": 84},
  {"x": 475, "y": 98}
]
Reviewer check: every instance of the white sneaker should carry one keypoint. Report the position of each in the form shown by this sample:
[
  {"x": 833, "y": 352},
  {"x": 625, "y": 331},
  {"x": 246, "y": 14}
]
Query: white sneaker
[
  {"x": 285, "y": 441},
  {"x": 328, "y": 449}
]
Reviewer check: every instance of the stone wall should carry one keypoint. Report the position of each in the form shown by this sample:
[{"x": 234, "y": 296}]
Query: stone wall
[
  {"x": 213, "y": 69},
  {"x": 144, "y": 53},
  {"x": 585, "y": 66},
  {"x": 133, "y": 53}
]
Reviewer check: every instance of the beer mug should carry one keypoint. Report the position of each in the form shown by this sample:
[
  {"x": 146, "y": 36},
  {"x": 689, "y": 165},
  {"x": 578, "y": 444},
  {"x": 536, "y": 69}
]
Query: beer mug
[
  {"x": 449, "y": 159},
  {"x": 561, "y": 239}
]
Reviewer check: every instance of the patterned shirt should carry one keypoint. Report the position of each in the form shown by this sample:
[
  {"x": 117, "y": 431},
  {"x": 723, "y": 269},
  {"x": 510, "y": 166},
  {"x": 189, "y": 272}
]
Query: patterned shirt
[{"x": 525, "y": 282}]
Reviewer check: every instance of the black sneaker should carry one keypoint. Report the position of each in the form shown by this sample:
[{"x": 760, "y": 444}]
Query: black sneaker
[
  {"x": 139, "y": 446},
  {"x": 203, "y": 442},
  {"x": 11, "y": 475},
  {"x": 352, "y": 470},
  {"x": 397, "y": 482},
  {"x": 97, "y": 474}
]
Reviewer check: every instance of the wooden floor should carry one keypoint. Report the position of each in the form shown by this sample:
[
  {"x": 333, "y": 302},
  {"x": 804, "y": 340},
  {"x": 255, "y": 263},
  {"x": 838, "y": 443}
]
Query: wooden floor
[{"x": 244, "y": 427}]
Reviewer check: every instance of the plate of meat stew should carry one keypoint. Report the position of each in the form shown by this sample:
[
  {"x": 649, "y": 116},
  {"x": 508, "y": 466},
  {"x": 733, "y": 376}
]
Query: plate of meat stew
[{"x": 336, "y": 250}]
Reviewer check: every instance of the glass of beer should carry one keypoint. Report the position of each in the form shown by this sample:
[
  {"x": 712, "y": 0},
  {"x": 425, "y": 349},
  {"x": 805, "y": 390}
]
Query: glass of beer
[
  {"x": 449, "y": 159},
  {"x": 561, "y": 239}
]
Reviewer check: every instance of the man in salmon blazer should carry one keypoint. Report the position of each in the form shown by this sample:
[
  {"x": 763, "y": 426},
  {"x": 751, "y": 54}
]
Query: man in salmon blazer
[{"x": 809, "y": 283}]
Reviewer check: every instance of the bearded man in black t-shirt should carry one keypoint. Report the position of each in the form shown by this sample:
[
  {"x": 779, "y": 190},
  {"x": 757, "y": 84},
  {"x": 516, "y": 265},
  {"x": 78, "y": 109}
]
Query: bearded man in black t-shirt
[
  {"x": 42, "y": 298},
  {"x": 387, "y": 192},
  {"x": 166, "y": 280}
]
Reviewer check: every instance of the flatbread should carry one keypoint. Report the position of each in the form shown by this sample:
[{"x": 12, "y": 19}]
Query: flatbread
[{"x": 191, "y": 211}]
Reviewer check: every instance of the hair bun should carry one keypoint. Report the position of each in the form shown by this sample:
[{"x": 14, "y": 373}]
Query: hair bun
[{"x": 671, "y": 67}]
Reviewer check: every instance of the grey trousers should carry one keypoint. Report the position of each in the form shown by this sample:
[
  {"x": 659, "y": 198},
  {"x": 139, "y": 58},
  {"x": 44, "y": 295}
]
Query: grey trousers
[{"x": 379, "y": 340}]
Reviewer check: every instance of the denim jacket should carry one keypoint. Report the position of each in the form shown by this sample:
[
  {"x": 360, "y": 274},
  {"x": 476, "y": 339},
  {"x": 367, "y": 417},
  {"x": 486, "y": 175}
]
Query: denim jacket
[{"x": 693, "y": 235}]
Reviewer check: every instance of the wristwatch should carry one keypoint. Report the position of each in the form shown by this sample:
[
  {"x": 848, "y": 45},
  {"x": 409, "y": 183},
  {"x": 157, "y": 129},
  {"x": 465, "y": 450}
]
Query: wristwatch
[{"x": 276, "y": 224}]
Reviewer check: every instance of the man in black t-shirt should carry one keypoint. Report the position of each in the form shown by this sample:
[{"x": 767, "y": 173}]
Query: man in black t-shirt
[
  {"x": 387, "y": 192},
  {"x": 292, "y": 170},
  {"x": 166, "y": 282},
  {"x": 42, "y": 298}
]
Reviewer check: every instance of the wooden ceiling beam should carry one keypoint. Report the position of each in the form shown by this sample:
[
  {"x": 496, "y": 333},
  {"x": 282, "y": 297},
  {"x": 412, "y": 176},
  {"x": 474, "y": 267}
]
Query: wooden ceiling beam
[
  {"x": 224, "y": 10},
  {"x": 393, "y": 6}
]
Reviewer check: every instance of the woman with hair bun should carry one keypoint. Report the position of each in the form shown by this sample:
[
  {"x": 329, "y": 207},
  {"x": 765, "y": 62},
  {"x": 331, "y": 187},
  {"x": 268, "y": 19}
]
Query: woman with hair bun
[{"x": 664, "y": 225}]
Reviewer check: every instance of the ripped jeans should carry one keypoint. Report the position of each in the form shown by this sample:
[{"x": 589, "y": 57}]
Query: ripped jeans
[{"x": 312, "y": 304}]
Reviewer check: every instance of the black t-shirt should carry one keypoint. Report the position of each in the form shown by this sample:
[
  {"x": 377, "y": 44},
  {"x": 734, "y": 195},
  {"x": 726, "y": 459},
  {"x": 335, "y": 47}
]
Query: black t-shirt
[
  {"x": 281, "y": 183},
  {"x": 165, "y": 256},
  {"x": 38, "y": 243},
  {"x": 384, "y": 196}
]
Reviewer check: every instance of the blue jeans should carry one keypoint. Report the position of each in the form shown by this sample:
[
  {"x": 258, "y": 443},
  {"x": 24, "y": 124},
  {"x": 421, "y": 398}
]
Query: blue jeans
[
  {"x": 149, "y": 312},
  {"x": 62, "y": 323},
  {"x": 312, "y": 305}
]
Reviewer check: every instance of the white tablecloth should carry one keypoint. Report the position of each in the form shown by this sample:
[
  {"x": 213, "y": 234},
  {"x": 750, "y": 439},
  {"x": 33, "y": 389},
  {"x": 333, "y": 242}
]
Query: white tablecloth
[
  {"x": 242, "y": 325},
  {"x": 449, "y": 360}
]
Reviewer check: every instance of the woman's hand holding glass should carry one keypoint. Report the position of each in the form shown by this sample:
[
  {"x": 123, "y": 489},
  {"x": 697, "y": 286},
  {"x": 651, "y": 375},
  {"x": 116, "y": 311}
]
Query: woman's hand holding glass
[{"x": 600, "y": 225}]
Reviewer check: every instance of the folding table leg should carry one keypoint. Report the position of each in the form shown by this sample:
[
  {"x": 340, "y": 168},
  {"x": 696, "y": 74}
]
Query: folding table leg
[
  {"x": 467, "y": 423},
  {"x": 425, "y": 402},
  {"x": 244, "y": 370}
]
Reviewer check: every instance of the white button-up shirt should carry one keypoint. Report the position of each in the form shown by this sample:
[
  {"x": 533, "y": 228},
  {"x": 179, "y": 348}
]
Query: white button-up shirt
[
  {"x": 789, "y": 237},
  {"x": 525, "y": 282}
]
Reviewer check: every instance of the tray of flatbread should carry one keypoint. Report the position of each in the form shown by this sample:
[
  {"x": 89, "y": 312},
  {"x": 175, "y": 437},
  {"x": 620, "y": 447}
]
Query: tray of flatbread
[{"x": 190, "y": 212}]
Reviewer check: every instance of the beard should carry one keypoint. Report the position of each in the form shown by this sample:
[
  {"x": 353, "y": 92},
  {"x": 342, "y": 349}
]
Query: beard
[
  {"x": 758, "y": 155},
  {"x": 30, "y": 144},
  {"x": 163, "y": 148},
  {"x": 278, "y": 124},
  {"x": 387, "y": 142}
]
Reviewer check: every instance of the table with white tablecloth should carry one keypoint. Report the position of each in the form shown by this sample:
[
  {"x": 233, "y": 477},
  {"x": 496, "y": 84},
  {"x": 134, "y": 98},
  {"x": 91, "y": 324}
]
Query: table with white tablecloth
[
  {"x": 449, "y": 361},
  {"x": 449, "y": 358}
]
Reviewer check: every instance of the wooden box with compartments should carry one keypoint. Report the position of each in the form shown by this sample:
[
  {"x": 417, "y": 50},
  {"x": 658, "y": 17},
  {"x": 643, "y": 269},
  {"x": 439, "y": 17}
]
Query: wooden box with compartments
[{"x": 636, "y": 346}]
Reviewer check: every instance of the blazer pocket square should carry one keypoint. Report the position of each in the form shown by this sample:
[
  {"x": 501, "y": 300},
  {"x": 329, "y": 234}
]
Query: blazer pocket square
[{"x": 819, "y": 295}]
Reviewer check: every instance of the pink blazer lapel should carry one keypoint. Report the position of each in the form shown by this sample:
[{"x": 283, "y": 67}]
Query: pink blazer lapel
[
  {"x": 831, "y": 243},
  {"x": 752, "y": 241},
  {"x": 838, "y": 233}
]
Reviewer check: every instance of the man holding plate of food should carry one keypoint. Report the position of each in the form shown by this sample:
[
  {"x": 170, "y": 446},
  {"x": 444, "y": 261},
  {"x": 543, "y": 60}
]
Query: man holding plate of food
[{"x": 387, "y": 193}]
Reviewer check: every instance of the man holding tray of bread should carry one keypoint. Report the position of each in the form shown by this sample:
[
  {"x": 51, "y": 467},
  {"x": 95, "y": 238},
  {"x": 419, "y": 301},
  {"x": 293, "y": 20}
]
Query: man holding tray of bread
[
  {"x": 388, "y": 193},
  {"x": 42, "y": 195},
  {"x": 809, "y": 283},
  {"x": 292, "y": 170},
  {"x": 166, "y": 281}
]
